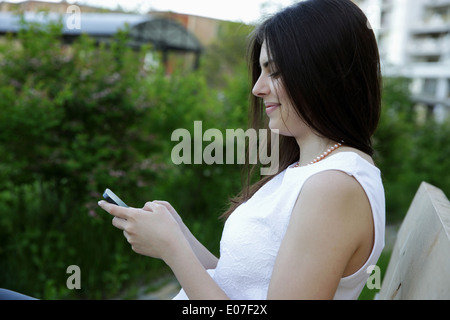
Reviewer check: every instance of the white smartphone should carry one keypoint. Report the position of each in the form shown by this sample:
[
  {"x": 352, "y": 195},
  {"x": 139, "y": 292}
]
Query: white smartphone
[{"x": 112, "y": 198}]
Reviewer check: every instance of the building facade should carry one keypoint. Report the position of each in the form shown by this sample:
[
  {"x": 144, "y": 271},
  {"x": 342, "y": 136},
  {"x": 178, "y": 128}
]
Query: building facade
[
  {"x": 36, "y": 6},
  {"x": 167, "y": 36},
  {"x": 414, "y": 42}
]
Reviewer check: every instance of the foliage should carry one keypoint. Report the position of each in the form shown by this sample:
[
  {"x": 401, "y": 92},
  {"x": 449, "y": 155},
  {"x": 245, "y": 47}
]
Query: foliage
[
  {"x": 74, "y": 121},
  {"x": 227, "y": 53},
  {"x": 409, "y": 151}
]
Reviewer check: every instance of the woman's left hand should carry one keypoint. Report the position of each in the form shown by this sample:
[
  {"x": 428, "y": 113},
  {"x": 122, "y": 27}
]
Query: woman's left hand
[{"x": 152, "y": 232}]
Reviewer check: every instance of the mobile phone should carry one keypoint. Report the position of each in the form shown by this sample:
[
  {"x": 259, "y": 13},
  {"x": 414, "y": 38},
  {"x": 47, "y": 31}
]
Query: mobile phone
[{"x": 112, "y": 198}]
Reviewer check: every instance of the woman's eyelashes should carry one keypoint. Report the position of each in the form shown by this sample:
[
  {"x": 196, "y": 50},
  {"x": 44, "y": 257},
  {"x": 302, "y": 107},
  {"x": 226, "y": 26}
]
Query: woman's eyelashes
[{"x": 275, "y": 74}]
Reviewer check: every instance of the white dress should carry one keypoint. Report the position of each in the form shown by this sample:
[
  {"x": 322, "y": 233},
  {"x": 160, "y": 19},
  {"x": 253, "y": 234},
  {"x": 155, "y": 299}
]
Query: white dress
[{"x": 253, "y": 233}]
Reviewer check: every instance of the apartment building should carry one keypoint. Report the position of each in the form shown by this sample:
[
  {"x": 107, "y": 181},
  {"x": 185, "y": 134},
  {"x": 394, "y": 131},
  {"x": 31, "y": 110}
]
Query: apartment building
[{"x": 414, "y": 42}]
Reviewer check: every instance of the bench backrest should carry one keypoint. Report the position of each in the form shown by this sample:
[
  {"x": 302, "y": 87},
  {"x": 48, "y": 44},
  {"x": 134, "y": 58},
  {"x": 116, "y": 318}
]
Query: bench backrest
[{"x": 419, "y": 267}]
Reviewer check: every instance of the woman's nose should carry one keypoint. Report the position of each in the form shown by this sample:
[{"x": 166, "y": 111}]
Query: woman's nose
[{"x": 261, "y": 88}]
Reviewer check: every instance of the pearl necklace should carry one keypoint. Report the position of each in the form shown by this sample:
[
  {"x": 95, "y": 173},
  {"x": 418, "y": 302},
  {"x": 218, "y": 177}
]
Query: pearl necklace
[{"x": 322, "y": 156}]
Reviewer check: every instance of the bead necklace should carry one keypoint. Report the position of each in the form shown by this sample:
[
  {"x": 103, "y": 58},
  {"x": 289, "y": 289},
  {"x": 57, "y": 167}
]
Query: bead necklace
[{"x": 322, "y": 156}]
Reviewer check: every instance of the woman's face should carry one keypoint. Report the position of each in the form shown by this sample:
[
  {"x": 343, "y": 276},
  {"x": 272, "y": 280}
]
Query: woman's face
[{"x": 279, "y": 109}]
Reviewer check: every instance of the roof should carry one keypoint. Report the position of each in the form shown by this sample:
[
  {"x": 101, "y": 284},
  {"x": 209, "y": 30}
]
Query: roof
[{"x": 164, "y": 34}]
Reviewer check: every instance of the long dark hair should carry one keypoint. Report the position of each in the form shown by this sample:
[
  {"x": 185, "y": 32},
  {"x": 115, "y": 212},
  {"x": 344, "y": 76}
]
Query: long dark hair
[{"x": 327, "y": 57}]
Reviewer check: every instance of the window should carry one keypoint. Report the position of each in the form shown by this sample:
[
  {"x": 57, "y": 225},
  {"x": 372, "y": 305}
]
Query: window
[
  {"x": 448, "y": 88},
  {"x": 429, "y": 87}
]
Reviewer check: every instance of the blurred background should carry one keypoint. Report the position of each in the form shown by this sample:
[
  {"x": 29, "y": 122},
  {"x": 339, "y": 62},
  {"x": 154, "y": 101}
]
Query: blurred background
[{"x": 91, "y": 91}]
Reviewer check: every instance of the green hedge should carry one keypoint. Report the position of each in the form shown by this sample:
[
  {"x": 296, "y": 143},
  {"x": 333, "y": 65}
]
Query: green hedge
[
  {"x": 409, "y": 150},
  {"x": 75, "y": 120}
]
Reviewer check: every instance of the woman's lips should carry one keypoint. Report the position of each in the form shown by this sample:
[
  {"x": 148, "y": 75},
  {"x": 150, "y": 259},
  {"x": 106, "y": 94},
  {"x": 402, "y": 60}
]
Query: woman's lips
[{"x": 270, "y": 107}]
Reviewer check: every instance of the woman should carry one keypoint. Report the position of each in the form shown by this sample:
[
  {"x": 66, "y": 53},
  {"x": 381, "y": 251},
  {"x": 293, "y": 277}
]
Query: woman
[{"x": 312, "y": 230}]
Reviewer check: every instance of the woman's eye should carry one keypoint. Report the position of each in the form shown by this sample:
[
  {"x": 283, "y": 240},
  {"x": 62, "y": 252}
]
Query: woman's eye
[{"x": 274, "y": 74}]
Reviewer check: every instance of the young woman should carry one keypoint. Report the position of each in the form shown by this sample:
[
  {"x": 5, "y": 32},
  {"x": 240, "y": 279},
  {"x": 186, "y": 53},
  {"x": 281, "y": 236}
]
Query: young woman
[{"x": 312, "y": 230}]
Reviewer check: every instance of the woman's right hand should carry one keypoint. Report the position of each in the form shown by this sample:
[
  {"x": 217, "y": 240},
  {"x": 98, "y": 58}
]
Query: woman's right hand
[
  {"x": 169, "y": 207},
  {"x": 208, "y": 260}
]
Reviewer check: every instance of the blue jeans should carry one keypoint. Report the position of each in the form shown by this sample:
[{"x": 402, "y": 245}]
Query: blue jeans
[{"x": 11, "y": 295}]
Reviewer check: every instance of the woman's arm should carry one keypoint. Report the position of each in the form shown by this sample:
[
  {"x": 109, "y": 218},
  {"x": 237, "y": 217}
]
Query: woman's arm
[
  {"x": 190, "y": 273},
  {"x": 155, "y": 232},
  {"x": 330, "y": 235}
]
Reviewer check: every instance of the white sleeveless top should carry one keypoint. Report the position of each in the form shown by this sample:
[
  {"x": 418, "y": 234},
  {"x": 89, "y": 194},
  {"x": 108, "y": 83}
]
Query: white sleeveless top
[{"x": 253, "y": 233}]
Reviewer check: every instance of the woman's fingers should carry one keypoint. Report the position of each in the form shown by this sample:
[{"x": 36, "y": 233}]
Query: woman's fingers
[
  {"x": 119, "y": 223},
  {"x": 151, "y": 231},
  {"x": 167, "y": 205},
  {"x": 155, "y": 206},
  {"x": 115, "y": 210},
  {"x": 148, "y": 206},
  {"x": 151, "y": 206}
]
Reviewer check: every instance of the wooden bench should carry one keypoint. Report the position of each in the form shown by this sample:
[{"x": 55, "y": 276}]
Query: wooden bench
[{"x": 419, "y": 267}]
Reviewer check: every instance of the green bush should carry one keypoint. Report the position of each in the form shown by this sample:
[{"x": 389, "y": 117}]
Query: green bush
[
  {"x": 409, "y": 151},
  {"x": 74, "y": 121}
]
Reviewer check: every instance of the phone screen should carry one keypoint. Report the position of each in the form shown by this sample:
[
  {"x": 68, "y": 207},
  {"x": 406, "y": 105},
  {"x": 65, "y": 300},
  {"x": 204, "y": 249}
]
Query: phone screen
[{"x": 112, "y": 198}]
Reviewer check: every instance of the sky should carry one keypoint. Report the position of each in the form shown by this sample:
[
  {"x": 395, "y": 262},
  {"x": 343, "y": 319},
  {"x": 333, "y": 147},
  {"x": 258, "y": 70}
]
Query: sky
[{"x": 247, "y": 11}]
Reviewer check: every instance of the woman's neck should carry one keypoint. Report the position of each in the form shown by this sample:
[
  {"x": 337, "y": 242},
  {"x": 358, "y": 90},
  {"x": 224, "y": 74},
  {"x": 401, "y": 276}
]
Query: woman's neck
[{"x": 312, "y": 147}]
